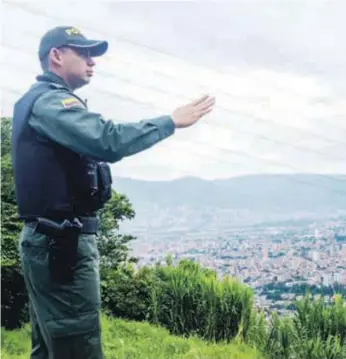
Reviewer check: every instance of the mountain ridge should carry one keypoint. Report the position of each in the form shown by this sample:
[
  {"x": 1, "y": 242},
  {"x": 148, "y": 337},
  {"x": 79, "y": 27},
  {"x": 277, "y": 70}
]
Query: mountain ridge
[
  {"x": 314, "y": 189},
  {"x": 195, "y": 203}
]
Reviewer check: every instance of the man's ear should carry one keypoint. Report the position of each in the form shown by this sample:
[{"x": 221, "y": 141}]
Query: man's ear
[{"x": 55, "y": 56}]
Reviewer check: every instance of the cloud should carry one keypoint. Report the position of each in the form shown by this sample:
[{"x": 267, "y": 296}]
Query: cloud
[{"x": 271, "y": 67}]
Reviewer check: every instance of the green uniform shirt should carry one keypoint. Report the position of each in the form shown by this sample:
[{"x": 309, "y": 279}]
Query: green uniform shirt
[{"x": 63, "y": 117}]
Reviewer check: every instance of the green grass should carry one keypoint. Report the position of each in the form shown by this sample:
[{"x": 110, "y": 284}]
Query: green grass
[{"x": 134, "y": 340}]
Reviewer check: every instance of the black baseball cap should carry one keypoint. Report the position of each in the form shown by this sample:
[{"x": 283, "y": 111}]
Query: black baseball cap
[{"x": 72, "y": 37}]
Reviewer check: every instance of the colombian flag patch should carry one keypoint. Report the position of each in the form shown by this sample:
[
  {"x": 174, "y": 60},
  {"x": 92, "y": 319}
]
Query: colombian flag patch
[{"x": 70, "y": 102}]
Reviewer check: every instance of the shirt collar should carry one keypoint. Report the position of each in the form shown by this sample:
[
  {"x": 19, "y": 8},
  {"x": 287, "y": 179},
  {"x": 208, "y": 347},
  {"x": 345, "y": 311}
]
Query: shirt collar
[{"x": 49, "y": 76}]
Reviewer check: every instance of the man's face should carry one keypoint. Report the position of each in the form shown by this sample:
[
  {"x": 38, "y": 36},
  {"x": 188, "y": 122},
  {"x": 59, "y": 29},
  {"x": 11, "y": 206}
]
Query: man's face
[{"x": 76, "y": 66}]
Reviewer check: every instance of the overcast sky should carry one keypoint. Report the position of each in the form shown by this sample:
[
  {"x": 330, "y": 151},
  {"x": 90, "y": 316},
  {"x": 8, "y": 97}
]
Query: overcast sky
[{"x": 277, "y": 69}]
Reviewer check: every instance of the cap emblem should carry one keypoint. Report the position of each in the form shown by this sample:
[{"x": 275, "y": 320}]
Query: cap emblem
[{"x": 73, "y": 31}]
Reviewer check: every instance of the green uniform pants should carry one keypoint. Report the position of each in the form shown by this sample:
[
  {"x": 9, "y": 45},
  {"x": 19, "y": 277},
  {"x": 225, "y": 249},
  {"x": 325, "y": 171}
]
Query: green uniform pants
[{"x": 64, "y": 317}]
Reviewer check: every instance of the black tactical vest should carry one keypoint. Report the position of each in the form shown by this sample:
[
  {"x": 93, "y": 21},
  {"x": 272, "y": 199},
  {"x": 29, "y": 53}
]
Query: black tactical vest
[{"x": 50, "y": 180}]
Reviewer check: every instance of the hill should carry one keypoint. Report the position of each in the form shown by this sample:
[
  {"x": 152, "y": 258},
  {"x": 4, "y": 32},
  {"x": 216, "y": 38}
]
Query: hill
[
  {"x": 134, "y": 340},
  {"x": 190, "y": 203},
  {"x": 295, "y": 192}
]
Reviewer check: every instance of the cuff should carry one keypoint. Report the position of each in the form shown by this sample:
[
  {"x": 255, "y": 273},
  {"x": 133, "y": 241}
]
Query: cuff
[{"x": 165, "y": 125}]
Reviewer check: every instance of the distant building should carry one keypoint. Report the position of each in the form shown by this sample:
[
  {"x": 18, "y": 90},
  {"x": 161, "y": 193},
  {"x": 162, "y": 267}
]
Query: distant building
[
  {"x": 337, "y": 277},
  {"x": 316, "y": 256},
  {"x": 343, "y": 250},
  {"x": 326, "y": 279}
]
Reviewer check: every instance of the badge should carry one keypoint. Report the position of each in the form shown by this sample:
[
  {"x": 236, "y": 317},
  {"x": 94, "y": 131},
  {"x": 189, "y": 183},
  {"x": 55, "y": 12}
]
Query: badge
[
  {"x": 73, "y": 31},
  {"x": 70, "y": 102}
]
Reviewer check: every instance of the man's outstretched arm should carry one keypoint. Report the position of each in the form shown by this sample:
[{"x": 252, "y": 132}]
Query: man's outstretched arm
[{"x": 64, "y": 119}]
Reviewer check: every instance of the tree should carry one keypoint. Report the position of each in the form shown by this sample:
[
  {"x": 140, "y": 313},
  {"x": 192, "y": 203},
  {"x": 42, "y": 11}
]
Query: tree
[
  {"x": 10, "y": 224},
  {"x": 112, "y": 245}
]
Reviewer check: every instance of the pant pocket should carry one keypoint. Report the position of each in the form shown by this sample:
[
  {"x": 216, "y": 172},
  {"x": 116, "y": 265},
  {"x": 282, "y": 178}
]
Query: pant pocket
[
  {"x": 76, "y": 338},
  {"x": 80, "y": 324}
]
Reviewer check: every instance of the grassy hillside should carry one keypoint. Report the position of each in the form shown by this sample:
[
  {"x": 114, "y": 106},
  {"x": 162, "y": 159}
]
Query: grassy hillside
[{"x": 134, "y": 340}]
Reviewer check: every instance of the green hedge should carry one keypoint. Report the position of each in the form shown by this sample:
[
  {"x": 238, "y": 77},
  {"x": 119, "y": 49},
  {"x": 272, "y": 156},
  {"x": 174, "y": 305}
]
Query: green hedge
[{"x": 14, "y": 299}]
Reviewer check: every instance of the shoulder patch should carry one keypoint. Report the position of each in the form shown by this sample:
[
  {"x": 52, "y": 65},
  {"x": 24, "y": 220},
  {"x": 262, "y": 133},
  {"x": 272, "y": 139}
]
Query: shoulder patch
[{"x": 70, "y": 102}]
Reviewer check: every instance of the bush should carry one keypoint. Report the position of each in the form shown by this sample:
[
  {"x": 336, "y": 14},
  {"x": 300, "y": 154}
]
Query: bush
[
  {"x": 189, "y": 300},
  {"x": 186, "y": 299},
  {"x": 14, "y": 299},
  {"x": 315, "y": 331},
  {"x": 126, "y": 293}
]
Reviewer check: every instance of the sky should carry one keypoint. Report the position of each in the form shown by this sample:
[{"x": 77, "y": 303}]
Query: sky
[{"x": 277, "y": 69}]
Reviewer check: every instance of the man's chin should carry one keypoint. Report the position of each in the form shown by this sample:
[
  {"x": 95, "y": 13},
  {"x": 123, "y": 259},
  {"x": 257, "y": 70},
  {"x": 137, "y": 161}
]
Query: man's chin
[
  {"x": 86, "y": 79},
  {"x": 83, "y": 82}
]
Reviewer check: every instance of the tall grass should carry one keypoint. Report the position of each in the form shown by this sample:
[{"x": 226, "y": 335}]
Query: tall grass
[
  {"x": 187, "y": 299},
  {"x": 315, "y": 318},
  {"x": 315, "y": 331},
  {"x": 190, "y": 301}
]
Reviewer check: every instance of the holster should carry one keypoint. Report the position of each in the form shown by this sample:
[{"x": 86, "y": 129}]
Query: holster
[{"x": 62, "y": 248}]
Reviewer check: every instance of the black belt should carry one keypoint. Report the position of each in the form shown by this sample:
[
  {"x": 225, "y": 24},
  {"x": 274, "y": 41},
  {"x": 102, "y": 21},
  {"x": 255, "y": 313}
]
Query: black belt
[{"x": 90, "y": 224}]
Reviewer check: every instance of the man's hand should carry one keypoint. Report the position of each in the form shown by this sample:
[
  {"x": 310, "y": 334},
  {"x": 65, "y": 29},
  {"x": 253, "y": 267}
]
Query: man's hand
[{"x": 189, "y": 114}]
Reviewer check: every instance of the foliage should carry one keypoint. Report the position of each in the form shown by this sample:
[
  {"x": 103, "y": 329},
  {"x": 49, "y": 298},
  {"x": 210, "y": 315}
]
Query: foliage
[
  {"x": 187, "y": 299},
  {"x": 126, "y": 293},
  {"x": 10, "y": 225},
  {"x": 276, "y": 289},
  {"x": 13, "y": 293},
  {"x": 14, "y": 299},
  {"x": 316, "y": 330},
  {"x": 113, "y": 246}
]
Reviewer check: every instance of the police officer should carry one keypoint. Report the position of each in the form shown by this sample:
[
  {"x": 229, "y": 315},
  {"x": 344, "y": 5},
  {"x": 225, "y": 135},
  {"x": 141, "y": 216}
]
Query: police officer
[{"x": 60, "y": 153}]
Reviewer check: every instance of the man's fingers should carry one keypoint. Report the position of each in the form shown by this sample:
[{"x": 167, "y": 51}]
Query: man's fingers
[
  {"x": 199, "y": 100},
  {"x": 205, "y": 111},
  {"x": 190, "y": 113},
  {"x": 208, "y": 103},
  {"x": 205, "y": 107},
  {"x": 201, "y": 113}
]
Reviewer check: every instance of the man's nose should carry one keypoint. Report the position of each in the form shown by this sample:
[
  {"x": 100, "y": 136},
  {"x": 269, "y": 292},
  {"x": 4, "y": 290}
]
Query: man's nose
[{"x": 90, "y": 61}]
